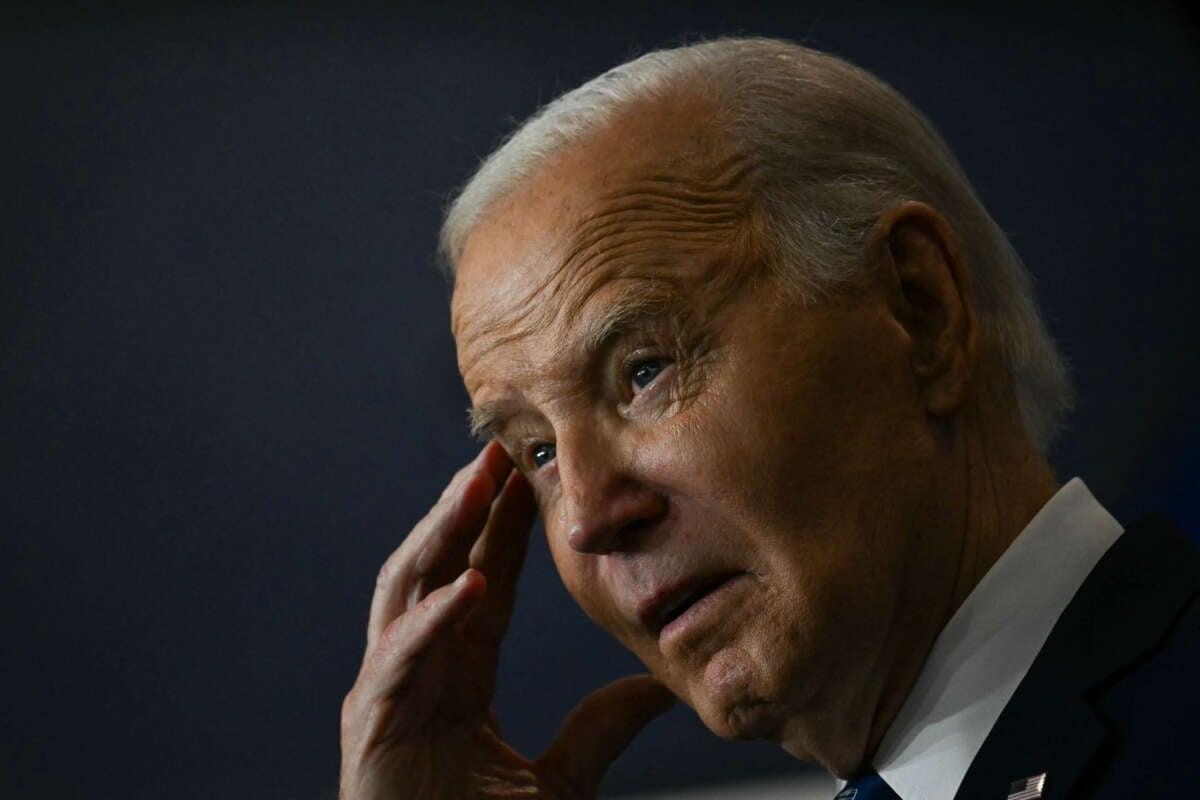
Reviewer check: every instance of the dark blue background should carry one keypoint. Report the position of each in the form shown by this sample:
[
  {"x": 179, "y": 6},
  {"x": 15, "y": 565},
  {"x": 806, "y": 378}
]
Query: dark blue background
[{"x": 227, "y": 385}]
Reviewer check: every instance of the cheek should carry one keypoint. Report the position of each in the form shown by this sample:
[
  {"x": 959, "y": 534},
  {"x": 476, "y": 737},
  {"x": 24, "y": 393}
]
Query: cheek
[
  {"x": 579, "y": 575},
  {"x": 567, "y": 562},
  {"x": 710, "y": 452}
]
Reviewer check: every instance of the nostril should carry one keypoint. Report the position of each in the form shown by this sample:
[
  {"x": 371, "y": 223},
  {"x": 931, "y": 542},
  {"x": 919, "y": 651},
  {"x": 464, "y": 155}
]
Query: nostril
[
  {"x": 580, "y": 541},
  {"x": 619, "y": 524},
  {"x": 598, "y": 540}
]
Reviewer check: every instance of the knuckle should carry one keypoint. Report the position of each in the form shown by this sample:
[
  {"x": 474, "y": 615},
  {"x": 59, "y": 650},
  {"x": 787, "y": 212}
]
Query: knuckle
[
  {"x": 402, "y": 637},
  {"x": 351, "y": 716},
  {"x": 392, "y": 635},
  {"x": 349, "y": 704},
  {"x": 384, "y": 578},
  {"x": 360, "y": 716},
  {"x": 394, "y": 574},
  {"x": 396, "y": 636},
  {"x": 429, "y": 603}
]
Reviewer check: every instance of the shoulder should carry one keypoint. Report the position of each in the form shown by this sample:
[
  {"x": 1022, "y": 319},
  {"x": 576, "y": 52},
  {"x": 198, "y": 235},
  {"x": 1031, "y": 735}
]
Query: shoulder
[
  {"x": 1106, "y": 708},
  {"x": 1149, "y": 703}
]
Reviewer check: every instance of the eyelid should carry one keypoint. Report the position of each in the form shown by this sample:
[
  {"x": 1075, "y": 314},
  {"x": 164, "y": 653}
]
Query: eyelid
[{"x": 648, "y": 352}]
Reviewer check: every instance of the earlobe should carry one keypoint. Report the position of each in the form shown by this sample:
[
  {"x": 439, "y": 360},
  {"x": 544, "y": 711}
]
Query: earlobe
[{"x": 930, "y": 294}]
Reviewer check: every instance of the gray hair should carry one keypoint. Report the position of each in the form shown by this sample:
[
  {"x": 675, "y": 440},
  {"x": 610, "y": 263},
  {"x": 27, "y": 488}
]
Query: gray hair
[{"x": 833, "y": 147}]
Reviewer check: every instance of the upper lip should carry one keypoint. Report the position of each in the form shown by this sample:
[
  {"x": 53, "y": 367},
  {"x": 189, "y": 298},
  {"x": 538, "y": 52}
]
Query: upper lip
[{"x": 669, "y": 600}]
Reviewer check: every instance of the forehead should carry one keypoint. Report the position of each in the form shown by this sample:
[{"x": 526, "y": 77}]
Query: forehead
[{"x": 656, "y": 202}]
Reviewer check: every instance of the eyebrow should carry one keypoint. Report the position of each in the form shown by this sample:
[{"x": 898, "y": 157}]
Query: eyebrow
[
  {"x": 485, "y": 421},
  {"x": 625, "y": 314},
  {"x": 621, "y": 317}
]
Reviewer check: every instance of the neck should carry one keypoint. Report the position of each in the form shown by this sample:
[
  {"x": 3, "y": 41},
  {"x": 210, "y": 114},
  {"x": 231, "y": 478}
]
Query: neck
[
  {"x": 994, "y": 483},
  {"x": 1004, "y": 481}
]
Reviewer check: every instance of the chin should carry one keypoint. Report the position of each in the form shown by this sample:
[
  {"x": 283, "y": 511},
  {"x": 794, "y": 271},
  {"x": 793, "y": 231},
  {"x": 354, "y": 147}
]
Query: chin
[
  {"x": 747, "y": 720},
  {"x": 730, "y": 703}
]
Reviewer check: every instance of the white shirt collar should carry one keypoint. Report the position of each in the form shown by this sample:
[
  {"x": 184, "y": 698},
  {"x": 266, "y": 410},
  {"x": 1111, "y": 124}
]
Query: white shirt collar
[{"x": 988, "y": 645}]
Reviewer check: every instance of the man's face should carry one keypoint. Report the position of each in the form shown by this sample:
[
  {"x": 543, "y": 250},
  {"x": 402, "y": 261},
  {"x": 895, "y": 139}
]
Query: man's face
[{"x": 731, "y": 482}]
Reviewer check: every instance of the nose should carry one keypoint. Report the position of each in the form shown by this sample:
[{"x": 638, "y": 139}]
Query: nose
[{"x": 605, "y": 504}]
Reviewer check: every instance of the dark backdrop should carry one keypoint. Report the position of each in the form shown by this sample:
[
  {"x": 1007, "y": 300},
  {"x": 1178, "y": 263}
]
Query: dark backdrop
[{"x": 227, "y": 385}]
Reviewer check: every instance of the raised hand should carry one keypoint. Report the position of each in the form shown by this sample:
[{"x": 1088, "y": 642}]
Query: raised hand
[{"x": 418, "y": 722}]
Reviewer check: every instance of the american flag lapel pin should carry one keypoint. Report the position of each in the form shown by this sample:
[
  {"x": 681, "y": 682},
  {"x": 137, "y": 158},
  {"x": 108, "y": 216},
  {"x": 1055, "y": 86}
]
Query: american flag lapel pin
[{"x": 1027, "y": 788}]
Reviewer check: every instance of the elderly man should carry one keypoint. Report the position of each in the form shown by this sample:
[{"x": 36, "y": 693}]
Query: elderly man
[{"x": 733, "y": 320}]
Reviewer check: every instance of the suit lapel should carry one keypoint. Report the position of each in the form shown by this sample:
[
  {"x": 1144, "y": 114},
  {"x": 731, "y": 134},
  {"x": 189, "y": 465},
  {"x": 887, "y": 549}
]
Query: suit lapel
[{"x": 1118, "y": 618}]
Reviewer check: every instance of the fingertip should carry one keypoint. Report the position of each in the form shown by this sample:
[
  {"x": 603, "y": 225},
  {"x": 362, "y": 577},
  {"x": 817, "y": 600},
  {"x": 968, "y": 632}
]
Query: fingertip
[
  {"x": 658, "y": 696},
  {"x": 603, "y": 725},
  {"x": 519, "y": 480},
  {"x": 477, "y": 492},
  {"x": 517, "y": 498},
  {"x": 470, "y": 583},
  {"x": 485, "y": 480},
  {"x": 645, "y": 692},
  {"x": 494, "y": 461}
]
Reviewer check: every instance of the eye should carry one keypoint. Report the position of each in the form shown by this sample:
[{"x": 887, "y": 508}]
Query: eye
[
  {"x": 541, "y": 455},
  {"x": 644, "y": 372}
]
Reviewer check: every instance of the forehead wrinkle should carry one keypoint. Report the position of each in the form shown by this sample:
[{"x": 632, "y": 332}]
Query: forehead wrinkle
[
  {"x": 660, "y": 204},
  {"x": 661, "y": 216},
  {"x": 503, "y": 326},
  {"x": 657, "y": 240},
  {"x": 519, "y": 323},
  {"x": 646, "y": 226},
  {"x": 637, "y": 300},
  {"x": 641, "y": 260},
  {"x": 489, "y": 418},
  {"x": 655, "y": 282}
]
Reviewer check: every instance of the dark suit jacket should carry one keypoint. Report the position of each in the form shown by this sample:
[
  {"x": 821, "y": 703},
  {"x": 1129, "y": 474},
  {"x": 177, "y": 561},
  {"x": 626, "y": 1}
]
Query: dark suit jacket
[{"x": 1110, "y": 709}]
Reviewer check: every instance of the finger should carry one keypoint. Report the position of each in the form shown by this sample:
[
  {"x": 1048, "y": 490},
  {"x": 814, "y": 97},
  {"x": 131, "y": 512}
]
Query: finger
[
  {"x": 599, "y": 730},
  {"x": 436, "y": 550},
  {"x": 499, "y": 553},
  {"x": 441, "y": 557},
  {"x": 428, "y": 551},
  {"x": 426, "y": 559},
  {"x": 410, "y": 636}
]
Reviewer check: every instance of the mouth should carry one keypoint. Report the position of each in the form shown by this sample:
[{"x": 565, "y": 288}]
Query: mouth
[{"x": 672, "y": 602}]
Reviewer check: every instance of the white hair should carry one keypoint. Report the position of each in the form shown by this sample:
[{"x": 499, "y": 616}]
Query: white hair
[{"x": 832, "y": 148}]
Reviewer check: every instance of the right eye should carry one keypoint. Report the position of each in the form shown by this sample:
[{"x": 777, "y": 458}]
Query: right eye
[{"x": 541, "y": 455}]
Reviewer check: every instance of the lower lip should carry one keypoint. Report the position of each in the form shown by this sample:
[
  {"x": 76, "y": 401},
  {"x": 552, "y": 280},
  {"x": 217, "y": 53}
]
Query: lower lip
[{"x": 677, "y": 627}]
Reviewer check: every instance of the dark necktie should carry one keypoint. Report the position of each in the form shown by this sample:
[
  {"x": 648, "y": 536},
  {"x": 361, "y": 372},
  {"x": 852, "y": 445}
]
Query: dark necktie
[{"x": 867, "y": 787}]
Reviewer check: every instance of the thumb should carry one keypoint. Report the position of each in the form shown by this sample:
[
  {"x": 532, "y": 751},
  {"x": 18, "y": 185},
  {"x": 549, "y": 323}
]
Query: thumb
[{"x": 600, "y": 728}]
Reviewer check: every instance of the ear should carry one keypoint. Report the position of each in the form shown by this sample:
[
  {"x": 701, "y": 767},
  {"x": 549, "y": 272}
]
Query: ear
[{"x": 930, "y": 294}]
